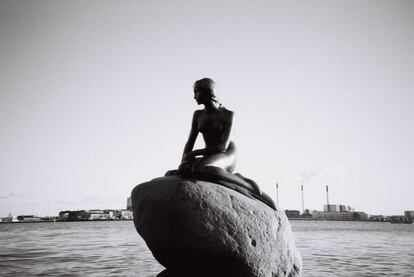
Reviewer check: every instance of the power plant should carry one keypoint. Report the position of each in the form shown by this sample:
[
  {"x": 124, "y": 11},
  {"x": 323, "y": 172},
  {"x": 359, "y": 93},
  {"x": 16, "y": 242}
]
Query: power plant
[{"x": 330, "y": 211}]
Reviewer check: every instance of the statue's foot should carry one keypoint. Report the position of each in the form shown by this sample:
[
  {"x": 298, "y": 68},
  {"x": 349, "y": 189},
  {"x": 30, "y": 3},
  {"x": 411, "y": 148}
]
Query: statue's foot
[
  {"x": 171, "y": 172},
  {"x": 251, "y": 182}
]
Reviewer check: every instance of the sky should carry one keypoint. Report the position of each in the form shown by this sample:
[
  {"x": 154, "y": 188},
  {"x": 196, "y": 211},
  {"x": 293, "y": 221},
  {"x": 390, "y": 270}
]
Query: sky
[{"x": 96, "y": 97}]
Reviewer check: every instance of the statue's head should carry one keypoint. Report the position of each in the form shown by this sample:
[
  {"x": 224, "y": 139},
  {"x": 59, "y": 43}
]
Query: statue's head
[{"x": 204, "y": 90}]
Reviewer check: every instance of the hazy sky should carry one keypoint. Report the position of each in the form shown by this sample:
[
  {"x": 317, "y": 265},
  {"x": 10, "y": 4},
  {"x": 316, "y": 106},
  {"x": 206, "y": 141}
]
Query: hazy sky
[{"x": 96, "y": 97}]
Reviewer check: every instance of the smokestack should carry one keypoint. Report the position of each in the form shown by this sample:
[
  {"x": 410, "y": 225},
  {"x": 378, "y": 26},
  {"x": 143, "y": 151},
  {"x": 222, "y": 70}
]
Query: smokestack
[
  {"x": 327, "y": 199},
  {"x": 277, "y": 194},
  {"x": 303, "y": 201}
]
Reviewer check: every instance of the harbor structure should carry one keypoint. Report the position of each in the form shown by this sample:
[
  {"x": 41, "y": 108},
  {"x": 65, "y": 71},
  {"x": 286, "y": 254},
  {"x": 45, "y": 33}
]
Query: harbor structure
[
  {"x": 400, "y": 219},
  {"x": 377, "y": 217},
  {"x": 306, "y": 214},
  {"x": 407, "y": 218},
  {"x": 126, "y": 215},
  {"x": 85, "y": 215},
  {"x": 337, "y": 208},
  {"x": 9, "y": 218},
  {"x": 28, "y": 218},
  {"x": 339, "y": 212},
  {"x": 409, "y": 215}
]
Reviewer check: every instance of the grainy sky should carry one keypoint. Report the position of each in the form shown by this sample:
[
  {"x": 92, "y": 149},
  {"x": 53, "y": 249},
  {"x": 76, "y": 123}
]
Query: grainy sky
[{"x": 96, "y": 97}]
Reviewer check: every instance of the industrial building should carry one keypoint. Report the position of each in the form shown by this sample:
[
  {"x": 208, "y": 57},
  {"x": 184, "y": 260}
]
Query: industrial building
[
  {"x": 84, "y": 215},
  {"x": 330, "y": 211},
  {"x": 409, "y": 215},
  {"x": 338, "y": 215},
  {"x": 337, "y": 208}
]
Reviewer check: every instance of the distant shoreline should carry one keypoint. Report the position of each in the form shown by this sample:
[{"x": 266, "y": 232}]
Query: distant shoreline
[
  {"x": 337, "y": 220},
  {"x": 293, "y": 219},
  {"x": 60, "y": 221}
]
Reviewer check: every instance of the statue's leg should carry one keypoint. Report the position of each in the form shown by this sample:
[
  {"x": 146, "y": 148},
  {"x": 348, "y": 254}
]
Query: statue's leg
[
  {"x": 188, "y": 165},
  {"x": 225, "y": 160},
  {"x": 217, "y": 174},
  {"x": 268, "y": 200},
  {"x": 231, "y": 153}
]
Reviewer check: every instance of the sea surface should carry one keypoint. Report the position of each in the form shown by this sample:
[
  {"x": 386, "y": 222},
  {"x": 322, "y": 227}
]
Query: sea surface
[{"x": 113, "y": 248}]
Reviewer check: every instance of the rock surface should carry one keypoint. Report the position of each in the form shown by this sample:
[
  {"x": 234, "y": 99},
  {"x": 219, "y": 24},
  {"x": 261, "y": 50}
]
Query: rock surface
[{"x": 197, "y": 228}]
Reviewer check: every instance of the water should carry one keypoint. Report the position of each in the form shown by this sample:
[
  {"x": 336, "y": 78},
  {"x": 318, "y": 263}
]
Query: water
[
  {"x": 96, "y": 248},
  {"x": 113, "y": 248},
  {"x": 344, "y": 248}
]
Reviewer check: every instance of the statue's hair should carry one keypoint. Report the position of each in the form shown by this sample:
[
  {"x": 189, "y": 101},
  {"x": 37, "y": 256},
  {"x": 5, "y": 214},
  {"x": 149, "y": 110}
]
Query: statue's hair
[{"x": 208, "y": 86}]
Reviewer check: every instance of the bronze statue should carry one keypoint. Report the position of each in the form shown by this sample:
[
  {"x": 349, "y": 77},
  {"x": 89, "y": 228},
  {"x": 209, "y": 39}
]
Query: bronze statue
[{"x": 215, "y": 162}]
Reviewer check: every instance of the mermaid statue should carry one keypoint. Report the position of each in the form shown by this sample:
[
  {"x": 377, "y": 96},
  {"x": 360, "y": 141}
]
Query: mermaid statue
[{"x": 216, "y": 162}]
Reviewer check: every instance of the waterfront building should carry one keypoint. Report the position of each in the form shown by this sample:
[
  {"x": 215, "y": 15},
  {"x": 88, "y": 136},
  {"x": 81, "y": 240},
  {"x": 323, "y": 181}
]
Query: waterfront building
[
  {"x": 98, "y": 215},
  {"x": 339, "y": 212},
  {"x": 9, "y": 219},
  {"x": 400, "y": 219},
  {"x": 330, "y": 208},
  {"x": 306, "y": 214},
  {"x": 73, "y": 215},
  {"x": 319, "y": 215},
  {"x": 83, "y": 215},
  {"x": 337, "y": 208},
  {"x": 126, "y": 214},
  {"x": 48, "y": 218},
  {"x": 292, "y": 213},
  {"x": 334, "y": 215},
  {"x": 359, "y": 216},
  {"x": 409, "y": 215},
  {"x": 377, "y": 218},
  {"x": 28, "y": 218}
]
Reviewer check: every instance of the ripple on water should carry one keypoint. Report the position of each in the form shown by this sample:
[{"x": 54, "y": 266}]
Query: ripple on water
[
  {"x": 115, "y": 249},
  {"x": 355, "y": 248}
]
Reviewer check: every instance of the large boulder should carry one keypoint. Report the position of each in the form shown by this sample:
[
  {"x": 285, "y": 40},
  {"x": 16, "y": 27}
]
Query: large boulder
[{"x": 198, "y": 228}]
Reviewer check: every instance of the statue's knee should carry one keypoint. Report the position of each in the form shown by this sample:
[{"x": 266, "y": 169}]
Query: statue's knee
[{"x": 231, "y": 167}]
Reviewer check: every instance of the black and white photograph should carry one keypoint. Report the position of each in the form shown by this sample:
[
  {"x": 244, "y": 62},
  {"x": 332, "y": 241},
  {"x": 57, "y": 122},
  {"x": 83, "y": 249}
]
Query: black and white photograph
[{"x": 207, "y": 138}]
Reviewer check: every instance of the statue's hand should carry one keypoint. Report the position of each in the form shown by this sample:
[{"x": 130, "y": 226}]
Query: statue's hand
[
  {"x": 184, "y": 166},
  {"x": 187, "y": 161},
  {"x": 188, "y": 157}
]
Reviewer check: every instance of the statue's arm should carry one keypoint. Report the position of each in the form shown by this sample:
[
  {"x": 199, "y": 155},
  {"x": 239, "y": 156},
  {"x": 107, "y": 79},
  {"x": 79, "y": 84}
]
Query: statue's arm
[{"x": 191, "y": 138}]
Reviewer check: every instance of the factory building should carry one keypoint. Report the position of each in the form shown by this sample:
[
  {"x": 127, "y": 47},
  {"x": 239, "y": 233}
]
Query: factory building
[
  {"x": 339, "y": 215},
  {"x": 337, "y": 208},
  {"x": 409, "y": 215}
]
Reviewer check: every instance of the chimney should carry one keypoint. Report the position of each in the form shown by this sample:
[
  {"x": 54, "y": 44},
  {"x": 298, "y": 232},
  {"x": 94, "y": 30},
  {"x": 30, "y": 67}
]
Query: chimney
[
  {"x": 277, "y": 194},
  {"x": 327, "y": 199},
  {"x": 303, "y": 201}
]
